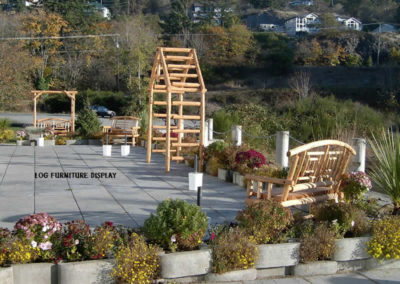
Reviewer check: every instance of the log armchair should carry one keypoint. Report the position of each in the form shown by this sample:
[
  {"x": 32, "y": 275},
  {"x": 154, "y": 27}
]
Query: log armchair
[
  {"x": 122, "y": 126},
  {"x": 315, "y": 173}
]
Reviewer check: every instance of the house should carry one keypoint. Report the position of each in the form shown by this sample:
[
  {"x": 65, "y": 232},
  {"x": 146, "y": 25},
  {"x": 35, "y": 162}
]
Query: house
[
  {"x": 302, "y": 3},
  {"x": 307, "y": 23},
  {"x": 385, "y": 28},
  {"x": 349, "y": 23},
  {"x": 265, "y": 22},
  {"x": 199, "y": 12},
  {"x": 104, "y": 11}
]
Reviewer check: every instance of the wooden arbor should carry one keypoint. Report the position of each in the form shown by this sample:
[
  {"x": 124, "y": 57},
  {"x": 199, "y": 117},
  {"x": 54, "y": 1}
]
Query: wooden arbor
[
  {"x": 62, "y": 124},
  {"x": 176, "y": 71}
]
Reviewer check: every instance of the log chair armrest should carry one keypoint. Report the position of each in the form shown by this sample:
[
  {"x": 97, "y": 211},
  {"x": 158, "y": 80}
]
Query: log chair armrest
[
  {"x": 106, "y": 129},
  {"x": 269, "y": 180}
]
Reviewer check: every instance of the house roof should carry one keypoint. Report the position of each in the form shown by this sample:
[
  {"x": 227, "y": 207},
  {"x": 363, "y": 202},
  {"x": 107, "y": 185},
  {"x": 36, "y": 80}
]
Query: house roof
[
  {"x": 254, "y": 21},
  {"x": 303, "y": 16}
]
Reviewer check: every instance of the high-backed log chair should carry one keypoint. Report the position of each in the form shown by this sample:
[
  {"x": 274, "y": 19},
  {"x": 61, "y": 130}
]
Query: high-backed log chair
[
  {"x": 122, "y": 126},
  {"x": 61, "y": 126},
  {"x": 315, "y": 174}
]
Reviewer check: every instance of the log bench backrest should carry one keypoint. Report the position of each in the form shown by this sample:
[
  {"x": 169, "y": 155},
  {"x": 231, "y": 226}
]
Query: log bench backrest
[
  {"x": 56, "y": 123},
  {"x": 322, "y": 161},
  {"x": 125, "y": 122}
]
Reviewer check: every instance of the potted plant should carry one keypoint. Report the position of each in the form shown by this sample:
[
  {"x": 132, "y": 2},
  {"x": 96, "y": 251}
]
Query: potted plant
[{"x": 21, "y": 137}]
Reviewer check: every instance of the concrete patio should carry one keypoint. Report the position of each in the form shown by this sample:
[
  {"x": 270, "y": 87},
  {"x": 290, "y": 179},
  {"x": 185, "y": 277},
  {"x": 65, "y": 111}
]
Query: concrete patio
[{"x": 127, "y": 199}]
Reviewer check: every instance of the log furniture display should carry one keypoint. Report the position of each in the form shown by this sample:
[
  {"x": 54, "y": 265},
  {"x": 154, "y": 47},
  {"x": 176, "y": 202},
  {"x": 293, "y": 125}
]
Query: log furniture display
[
  {"x": 315, "y": 173},
  {"x": 121, "y": 127},
  {"x": 61, "y": 126},
  {"x": 176, "y": 72}
]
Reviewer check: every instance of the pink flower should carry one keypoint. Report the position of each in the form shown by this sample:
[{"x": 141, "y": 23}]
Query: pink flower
[
  {"x": 45, "y": 246},
  {"x": 213, "y": 236}
]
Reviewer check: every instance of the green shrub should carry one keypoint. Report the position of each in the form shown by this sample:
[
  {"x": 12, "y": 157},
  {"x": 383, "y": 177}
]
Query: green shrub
[
  {"x": 224, "y": 120},
  {"x": 213, "y": 165},
  {"x": 266, "y": 221},
  {"x": 115, "y": 101},
  {"x": 318, "y": 244},
  {"x": 60, "y": 140},
  {"x": 176, "y": 225},
  {"x": 6, "y": 133},
  {"x": 348, "y": 219},
  {"x": 385, "y": 242},
  {"x": 354, "y": 185},
  {"x": 233, "y": 250},
  {"x": 215, "y": 149},
  {"x": 87, "y": 123},
  {"x": 136, "y": 262}
]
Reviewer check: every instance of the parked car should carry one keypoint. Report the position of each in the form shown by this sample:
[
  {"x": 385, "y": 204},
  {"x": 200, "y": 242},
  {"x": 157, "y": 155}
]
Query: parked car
[{"x": 102, "y": 111}]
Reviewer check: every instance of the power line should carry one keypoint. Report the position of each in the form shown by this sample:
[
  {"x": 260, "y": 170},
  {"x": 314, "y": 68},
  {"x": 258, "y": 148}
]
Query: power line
[{"x": 60, "y": 37}]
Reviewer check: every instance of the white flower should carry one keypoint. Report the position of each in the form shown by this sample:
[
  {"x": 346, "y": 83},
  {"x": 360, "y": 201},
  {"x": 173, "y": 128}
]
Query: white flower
[
  {"x": 352, "y": 223},
  {"x": 45, "y": 246},
  {"x": 76, "y": 242},
  {"x": 173, "y": 238},
  {"x": 45, "y": 237},
  {"x": 33, "y": 244},
  {"x": 334, "y": 221},
  {"x": 45, "y": 228}
]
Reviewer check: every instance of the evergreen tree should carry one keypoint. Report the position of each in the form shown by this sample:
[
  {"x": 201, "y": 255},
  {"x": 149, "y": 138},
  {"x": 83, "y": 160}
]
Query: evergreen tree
[{"x": 177, "y": 21}]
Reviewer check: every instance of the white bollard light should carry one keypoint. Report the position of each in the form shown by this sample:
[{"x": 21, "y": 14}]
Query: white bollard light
[
  {"x": 237, "y": 135},
  {"x": 107, "y": 149},
  {"x": 195, "y": 181},
  {"x": 360, "y": 145},
  {"x": 40, "y": 142},
  {"x": 125, "y": 150},
  {"x": 210, "y": 130},
  {"x": 282, "y": 147}
]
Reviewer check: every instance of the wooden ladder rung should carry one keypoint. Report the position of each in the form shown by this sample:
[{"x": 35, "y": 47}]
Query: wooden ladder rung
[
  {"x": 186, "y": 103},
  {"x": 175, "y": 49},
  {"x": 163, "y": 127},
  {"x": 183, "y": 66},
  {"x": 181, "y": 84},
  {"x": 187, "y": 131},
  {"x": 185, "y": 144},
  {"x": 178, "y": 58},
  {"x": 159, "y": 103},
  {"x": 177, "y": 158},
  {"x": 182, "y": 75},
  {"x": 162, "y": 151},
  {"x": 189, "y": 90},
  {"x": 189, "y": 117},
  {"x": 160, "y": 87},
  {"x": 164, "y": 139},
  {"x": 159, "y": 114}
]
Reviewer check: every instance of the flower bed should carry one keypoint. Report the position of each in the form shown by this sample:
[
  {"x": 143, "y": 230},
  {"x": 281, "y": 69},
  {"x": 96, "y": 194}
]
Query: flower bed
[{"x": 255, "y": 247}]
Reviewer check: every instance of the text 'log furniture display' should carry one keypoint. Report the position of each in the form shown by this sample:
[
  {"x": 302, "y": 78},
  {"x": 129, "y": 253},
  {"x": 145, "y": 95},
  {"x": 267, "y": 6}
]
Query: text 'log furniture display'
[
  {"x": 176, "y": 72},
  {"x": 315, "y": 174},
  {"x": 60, "y": 126},
  {"x": 121, "y": 127}
]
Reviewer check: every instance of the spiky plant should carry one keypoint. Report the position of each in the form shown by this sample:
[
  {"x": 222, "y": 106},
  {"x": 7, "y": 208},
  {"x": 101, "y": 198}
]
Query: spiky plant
[{"x": 386, "y": 169}]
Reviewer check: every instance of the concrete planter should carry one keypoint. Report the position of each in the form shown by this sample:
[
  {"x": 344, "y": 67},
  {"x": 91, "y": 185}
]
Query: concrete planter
[
  {"x": 222, "y": 174},
  {"x": 351, "y": 249},
  {"x": 239, "y": 179},
  {"x": 49, "y": 142},
  {"x": 125, "y": 150},
  {"x": 23, "y": 143},
  {"x": 183, "y": 264},
  {"x": 92, "y": 271},
  {"x": 6, "y": 275},
  {"x": 95, "y": 142},
  {"x": 77, "y": 142},
  {"x": 278, "y": 255},
  {"x": 237, "y": 275},
  {"x": 107, "y": 150},
  {"x": 45, "y": 273},
  {"x": 382, "y": 264},
  {"x": 315, "y": 268}
]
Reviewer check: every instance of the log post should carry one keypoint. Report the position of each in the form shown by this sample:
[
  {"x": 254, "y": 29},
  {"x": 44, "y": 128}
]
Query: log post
[
  {"x": 202, "y": 124},
  {"x": 168, "y": 133},
  {"x": 34, "y": 109},
  {"x": 282, "y": 148},
  {"x": 150, "y": 127}
]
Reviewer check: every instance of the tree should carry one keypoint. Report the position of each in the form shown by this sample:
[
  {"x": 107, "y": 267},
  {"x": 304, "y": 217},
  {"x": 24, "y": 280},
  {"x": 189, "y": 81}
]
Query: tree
[
  {"x": 41, "y": 24},
  {"x": 177, "y": 22},
  {"x": 268, "y": 3},
  {"x": 227, "y": 44},
  {"x": 137, "y": 44}
]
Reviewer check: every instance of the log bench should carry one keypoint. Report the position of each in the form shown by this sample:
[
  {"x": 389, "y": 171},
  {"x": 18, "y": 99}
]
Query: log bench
[
  {"x": 315, "y": 174},
  {"x": 60, "y": 126},
  {"x": 122, "y": 126}
]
